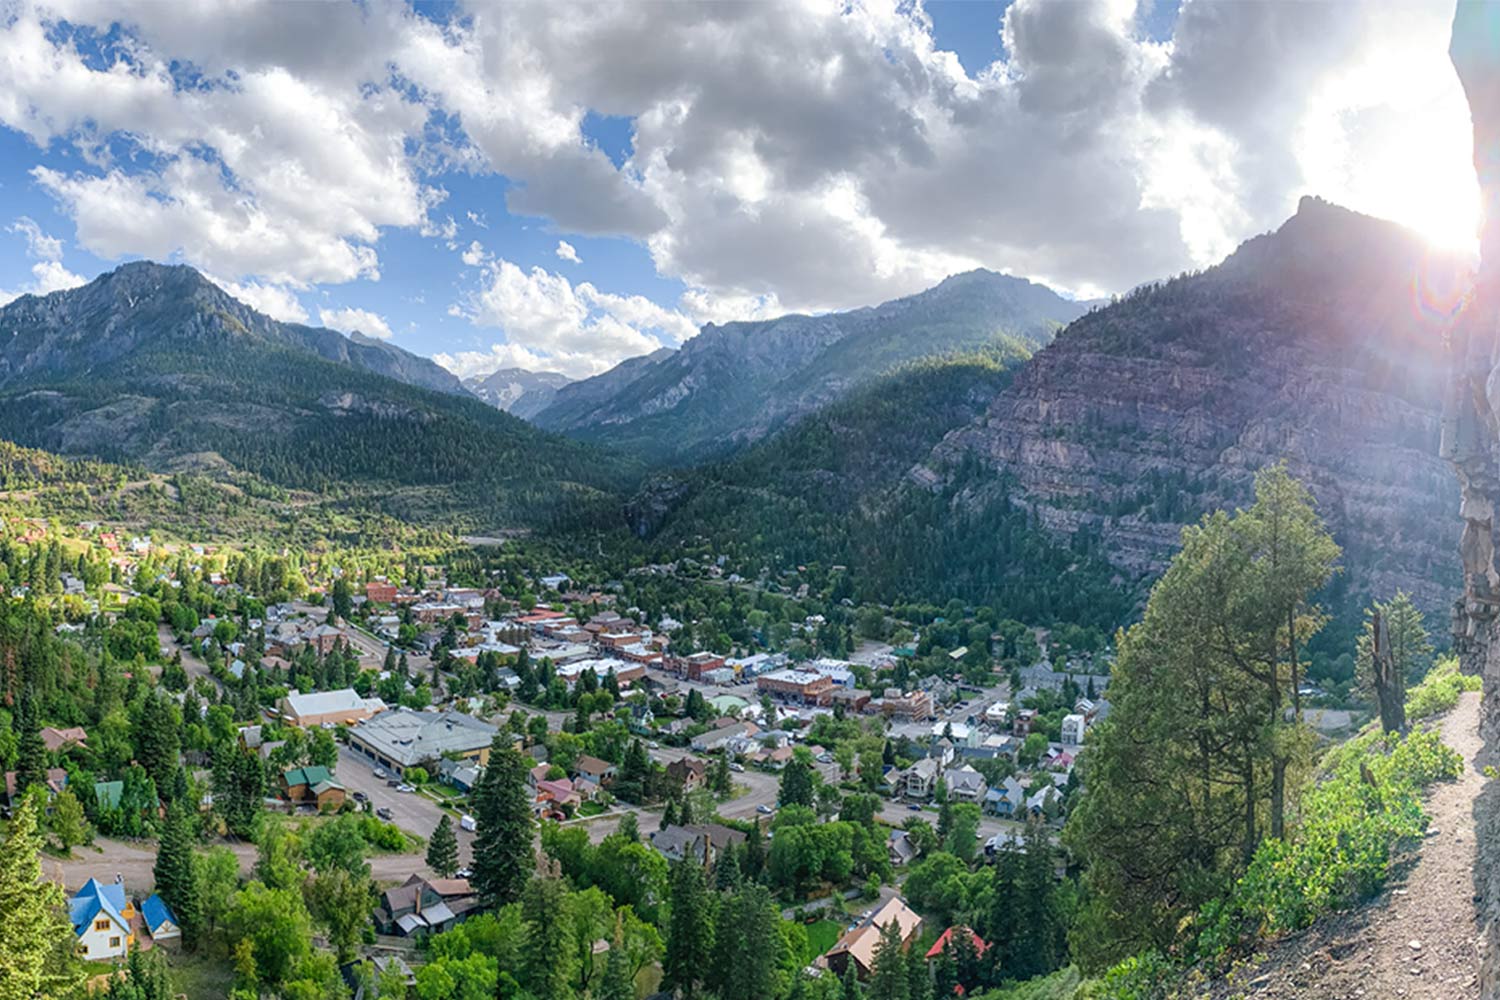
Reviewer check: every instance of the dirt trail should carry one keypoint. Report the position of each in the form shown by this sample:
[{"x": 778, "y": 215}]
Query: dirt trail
[{"x": 1420, "y": 938}]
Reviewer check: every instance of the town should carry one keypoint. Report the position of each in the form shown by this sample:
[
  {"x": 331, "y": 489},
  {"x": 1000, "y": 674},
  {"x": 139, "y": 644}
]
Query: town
[{"x": 349, "y": 732}]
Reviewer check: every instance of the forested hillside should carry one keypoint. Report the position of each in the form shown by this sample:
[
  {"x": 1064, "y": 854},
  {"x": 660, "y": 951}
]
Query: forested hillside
[
  {"x": 157, "y": 366},
  {"x": 734, "y": 384}
]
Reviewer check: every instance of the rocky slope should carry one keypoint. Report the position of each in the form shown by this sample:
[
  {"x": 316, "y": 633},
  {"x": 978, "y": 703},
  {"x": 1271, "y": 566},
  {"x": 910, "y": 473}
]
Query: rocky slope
[
  {"x": 735, "y": 383},
  {"x": 1471, "y": 441},
  {"x": 516, "y": 390},
  {"x": 1319, "y": 345}
]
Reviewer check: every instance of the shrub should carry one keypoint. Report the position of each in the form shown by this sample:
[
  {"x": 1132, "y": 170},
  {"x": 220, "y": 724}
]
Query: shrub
[{"x": 1439, "y": 690}]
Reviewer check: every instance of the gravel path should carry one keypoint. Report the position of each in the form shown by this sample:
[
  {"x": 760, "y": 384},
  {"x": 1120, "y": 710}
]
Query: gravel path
[{"x": 1420, "y": 938}]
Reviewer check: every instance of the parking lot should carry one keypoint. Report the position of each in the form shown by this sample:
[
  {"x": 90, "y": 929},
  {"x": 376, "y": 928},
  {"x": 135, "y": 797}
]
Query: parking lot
[{"x": 411, "y": 811}]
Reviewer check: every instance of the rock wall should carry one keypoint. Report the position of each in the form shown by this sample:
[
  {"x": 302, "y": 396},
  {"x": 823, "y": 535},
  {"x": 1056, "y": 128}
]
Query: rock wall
[{"x": 1471, "y": 442}]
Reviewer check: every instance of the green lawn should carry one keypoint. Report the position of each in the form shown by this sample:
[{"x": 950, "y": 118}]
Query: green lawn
[
  {"x": 199, "y": 974},
  {"x": 590, "y": 809},
  {"x": 822, "y": 935}
]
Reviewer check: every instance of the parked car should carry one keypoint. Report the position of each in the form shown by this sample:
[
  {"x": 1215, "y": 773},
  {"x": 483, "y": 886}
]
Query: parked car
[
  {"x": 736, "y": 766},
  {"x": 914, "y": 808},
  {"x": 466, "y": 822},
  {"x": 380, "y": 773},
  {"x": 764, "y": 809},
  {"x": 361, "y": 797},
  {"x": 384, "y": 813},
  {"x": 392, "y": 782},
  {"x": 464, "y": 873},
  {"x": 654, "y": 745},
  {"x": 404, "y": 787}
]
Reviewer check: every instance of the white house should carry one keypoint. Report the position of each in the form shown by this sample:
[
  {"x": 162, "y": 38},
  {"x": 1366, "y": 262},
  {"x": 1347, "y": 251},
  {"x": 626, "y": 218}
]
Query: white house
[
  {"x": 101, "y": 921},
  {"x": 1073, "y": 728},
  {"x": 161, "y": 922}
]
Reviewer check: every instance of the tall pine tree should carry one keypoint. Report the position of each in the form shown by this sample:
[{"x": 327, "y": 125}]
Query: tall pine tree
[
  {"x": 176, "y": 876},
  {"x": 442, "y": 849},
  {"x": 503, "y": 855}
]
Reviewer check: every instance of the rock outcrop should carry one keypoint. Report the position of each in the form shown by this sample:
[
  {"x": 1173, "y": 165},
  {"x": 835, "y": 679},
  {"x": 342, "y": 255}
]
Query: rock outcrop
[
  {"x": 1471, "y": 441},
  {"x": 1319, "y": 345}
]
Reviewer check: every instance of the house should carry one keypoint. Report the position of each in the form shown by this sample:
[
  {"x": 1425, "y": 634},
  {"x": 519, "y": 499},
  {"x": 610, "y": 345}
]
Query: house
[
  {"x": 702, "y": 841},
  {"x": 688, "y": 772},
  {"x": 57, "y": 780},
  {"x": 857, "y": 947},
  {"x": 328, "y": 707},
  {"x": 424, "y": 906},
  {"x": 554, "y": 797},
  {"x": 945, "y": 940},
  {"x": 899, "y": 848},
  {"x": 919, "y": 780},
  {"x": 401, "y": 738},
  {"x": 380, "y": 592},
  {"x": 720, "y": 738},
  {"x": 459, "y": 774},
  {"x": 1006, "y": 798},
  {"x": 1024, "y": 720},
  {"x": 312, "y": 786},
  {"x": 101, "y": 920},
  {"x": 60, "y": 739},
  {"x": 1073, "y": 728},
  {"x": 161, "y": 923},
  {"x": 909, "y": 706},
  {"x": 593, "y": 770},
  {"x": 965, "y": 784}
]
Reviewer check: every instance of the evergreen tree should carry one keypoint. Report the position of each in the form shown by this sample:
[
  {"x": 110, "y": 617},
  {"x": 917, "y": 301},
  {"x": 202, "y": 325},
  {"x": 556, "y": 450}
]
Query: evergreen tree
[
  {"x": 629, "y": 827},
  {"x": 690, "y": 936},
  {"x": 617, "y": 984},
  {"x": 157, "y": 747},
  {"x": 31, "y": 750},
  {"x": 546, "y": 956},
  {"x": 749, "y": 949},
  {"x": 36, "y": 946},
  {"x": 442, "y": 848},
  {"x": 175, "y": 874},
  {"x": 849, "y": 988},
  {"x": 888, "y": 979},
  {"x": 798, "y": 781},
  {"x": 503, "y": 854}
]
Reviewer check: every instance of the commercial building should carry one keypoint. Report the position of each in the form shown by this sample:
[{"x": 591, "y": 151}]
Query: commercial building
[
  {"x": 344, "y": 706},
  {"x": 794, "y": 685},
  {"x": 401, "y": 738}
]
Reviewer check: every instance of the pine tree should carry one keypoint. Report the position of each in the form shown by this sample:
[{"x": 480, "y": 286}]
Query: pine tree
[
  {"x": 545, "y": 960},
  {"x": 617, "y": 983},
  {"x": 690, "y": 936},
  {"x": 629, "y": 827},
  {"x": 749, "y": 950},
  {"x": 503, "y": 855},
  {"x": 798, "y": 781},
  {"x": 31, "y": 751},
  {"x": 36, "y": 946},
  {"x": 849, "y": 988},
  {"x": 176, "y": 876},
  {"x": 888, "y": 980},
  {"x": 442, "y": 849},
  {"x": 157, "y": 747}
]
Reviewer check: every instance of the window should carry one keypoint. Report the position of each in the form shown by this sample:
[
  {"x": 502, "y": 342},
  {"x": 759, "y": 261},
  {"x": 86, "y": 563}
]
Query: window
[
  {"x": 114, "y": 942},
  {"x": 101, "y": 925}
]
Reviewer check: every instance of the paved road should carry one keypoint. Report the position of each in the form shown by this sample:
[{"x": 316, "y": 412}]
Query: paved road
[
  {"x": 192, "y": 663},
  {"x": 410, "y": 811}
]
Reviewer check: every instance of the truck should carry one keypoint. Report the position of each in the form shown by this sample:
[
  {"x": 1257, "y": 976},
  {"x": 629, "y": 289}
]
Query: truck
[{"x": 466, "y": 822}]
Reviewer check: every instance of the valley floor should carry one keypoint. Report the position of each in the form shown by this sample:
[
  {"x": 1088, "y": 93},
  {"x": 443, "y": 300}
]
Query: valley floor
[{"x": 1420, "y": 938}]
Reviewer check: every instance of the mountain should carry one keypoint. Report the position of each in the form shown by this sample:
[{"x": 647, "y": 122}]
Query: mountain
[
  {"x": 157, "y": 365},
  {"x": 734, "y": 384},
  {"x": 516, "y": 390},
  {"x": 1320, "y": 345},
  {"x": 1060, "y": 494}
]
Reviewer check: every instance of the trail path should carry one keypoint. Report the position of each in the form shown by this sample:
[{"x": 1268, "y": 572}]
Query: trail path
[{"x": 1420, "y": 938}]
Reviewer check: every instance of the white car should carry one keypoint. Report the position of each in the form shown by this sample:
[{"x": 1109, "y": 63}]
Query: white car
[
  {"x": 380, "y": 773},
  {"x": 653, "y": 745},
  {"x": 404, "y": 787},
  {"x": 736, "y": 766},
  {"x": 466, "y": 822}
]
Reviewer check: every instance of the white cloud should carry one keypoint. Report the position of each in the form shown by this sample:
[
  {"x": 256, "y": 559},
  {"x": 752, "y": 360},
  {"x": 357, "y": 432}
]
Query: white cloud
[
  {"x": 48, "y": 274},
  {"x": 576, "y": 329},
  {"x": 276, "y": 301},
  {"x": 351, "y": 320},
  {"x": 566, "y": 252},
  {"x": 475, "y": 255}
]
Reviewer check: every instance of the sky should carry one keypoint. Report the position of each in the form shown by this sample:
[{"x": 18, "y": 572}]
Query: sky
[{"x": 561, "y": 186}]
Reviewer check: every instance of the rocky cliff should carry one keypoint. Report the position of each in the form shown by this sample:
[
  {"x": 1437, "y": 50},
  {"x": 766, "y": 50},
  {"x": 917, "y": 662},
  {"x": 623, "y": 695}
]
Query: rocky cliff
[
  {"x": 1319, "y": 345},
  {"x": 1471, "y": 441},
  {"x": 517, "y": 391}
]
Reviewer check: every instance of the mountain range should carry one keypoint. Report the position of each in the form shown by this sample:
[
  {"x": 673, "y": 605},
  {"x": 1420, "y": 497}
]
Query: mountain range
[
  {"x": 516, "y": 390},
  {"x": 1319, "y": 345},
  {"x": 735, "y": 383},
  {"x": 157, "y": 365}
]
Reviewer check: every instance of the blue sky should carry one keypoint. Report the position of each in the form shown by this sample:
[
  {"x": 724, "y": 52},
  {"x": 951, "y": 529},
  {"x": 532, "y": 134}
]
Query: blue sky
[{"x": 415, "y": 172}]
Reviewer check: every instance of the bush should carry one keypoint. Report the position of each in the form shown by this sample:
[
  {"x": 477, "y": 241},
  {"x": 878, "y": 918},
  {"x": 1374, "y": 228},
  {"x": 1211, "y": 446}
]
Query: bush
[
  {"x": 415, "y": 775},
  {"x": 1439, "y": 691},
  {"x": 1352, "y": 822}
]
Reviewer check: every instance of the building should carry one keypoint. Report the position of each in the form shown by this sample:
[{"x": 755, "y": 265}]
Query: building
[
  {"x": 401, "y": 738},
  {"x": 703, "y": 841},
  {"x": 101, "y": 920},
  {"x": 341, "y": 707},
  {"x": 380, "y": 592},
  {"x": 965, "y": 784},
  {"x": 462, "y": 775},
  {"x": 593, "y": 770},
  {"x": 161, "y": 922},
  {"x": 59, "y": 739},
  {"x": 312, "y": 786},
  {"x": 857, "y": 947},
  {"x": 424, "y": 906},
  {"x": 919, "y": 780},
  {"x": 57, "y": 780},
  {"x": 803, "y": 686},
  {"x": 850, "y": 699},
  {"x": 910, "y": 706},
  {"x": 688, "y": 772},
  {"x": 945, "y": 940},
  {"x": 1073, "y": 728}
]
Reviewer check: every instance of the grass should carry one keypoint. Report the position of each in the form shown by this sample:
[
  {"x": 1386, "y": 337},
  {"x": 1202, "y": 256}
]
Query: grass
[
  {"x": 823, "y": 935},
  {"x": 591, "y": 809},
  {"x": 199, "y": 974}
]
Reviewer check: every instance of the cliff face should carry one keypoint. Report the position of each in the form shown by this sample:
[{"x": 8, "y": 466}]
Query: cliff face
[
  {"x": 1319, "y": 345},
  {"x": 1471, "y": 441}
]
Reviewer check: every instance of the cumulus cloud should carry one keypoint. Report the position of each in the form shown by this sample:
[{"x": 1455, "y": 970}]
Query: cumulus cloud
[
  {"x": 276, "y": 301},
  {"x": 47, "y": 271},
  {"x": 797, "y": 157},
  {"x": 351, "y": 320},
  {"x": 551, "y": 323}
]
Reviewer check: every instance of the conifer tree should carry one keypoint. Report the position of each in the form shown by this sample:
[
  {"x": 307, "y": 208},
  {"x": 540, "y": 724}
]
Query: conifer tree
[
  {"x": 176, "y": 877},
  {"x": 442, "y": 849},
  {"x": 36, "y": 942},
  {"x": 503, "y": 855},
  {"x": 690, "y": 936},
  {"x": 546, "y": 956},
  {"x": 617, "y": 984},
  {"x": 888, "y": 979}
]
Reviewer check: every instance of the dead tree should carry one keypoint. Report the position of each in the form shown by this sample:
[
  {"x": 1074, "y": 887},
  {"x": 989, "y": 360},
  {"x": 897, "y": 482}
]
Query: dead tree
[{"x": 1390, "y": 685}]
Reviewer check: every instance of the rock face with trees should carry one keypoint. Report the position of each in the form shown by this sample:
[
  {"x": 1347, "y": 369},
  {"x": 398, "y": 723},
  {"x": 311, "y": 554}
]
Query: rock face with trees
[{"x": 1471, "y": 435}]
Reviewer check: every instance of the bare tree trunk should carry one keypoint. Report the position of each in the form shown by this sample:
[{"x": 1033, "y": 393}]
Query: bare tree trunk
[{"x": 1390, "y": 686}]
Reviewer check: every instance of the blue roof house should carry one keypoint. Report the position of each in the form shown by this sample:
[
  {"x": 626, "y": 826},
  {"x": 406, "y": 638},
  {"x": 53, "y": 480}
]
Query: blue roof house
[
  {"x": 101, "y": 921},
  {"x": 160, "y": 920}
]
